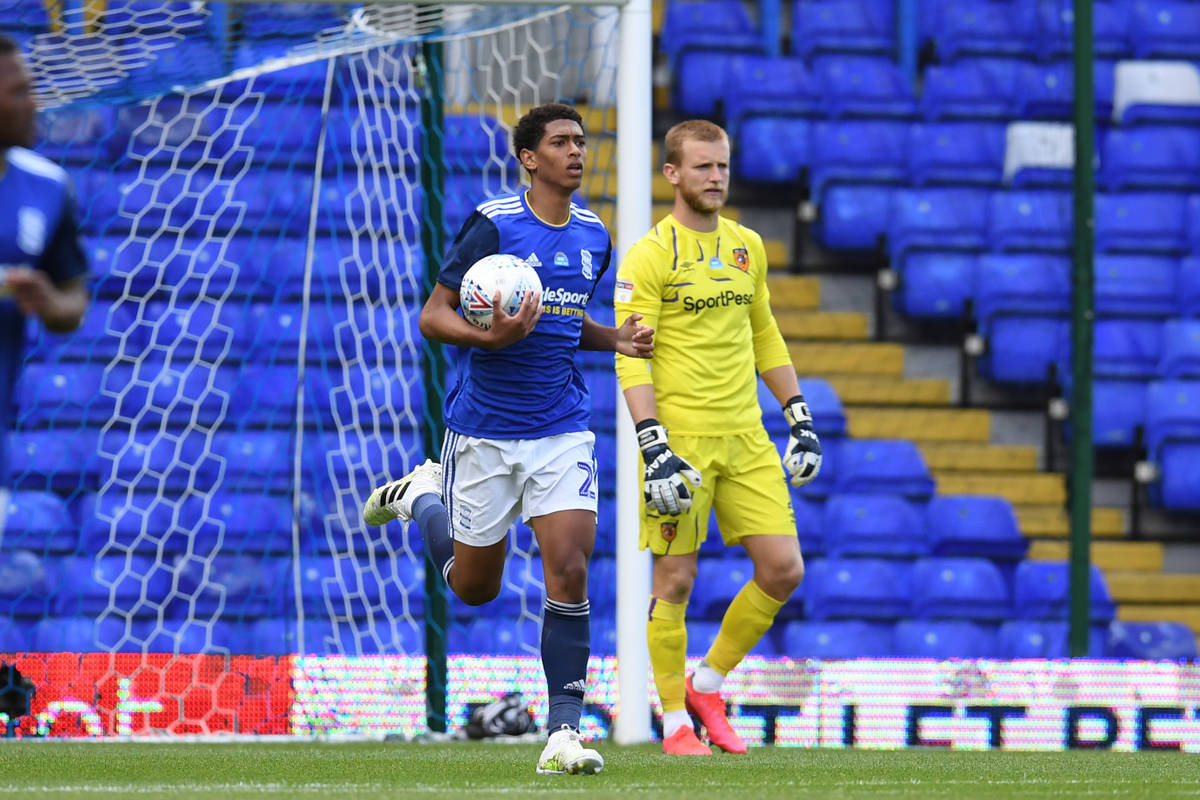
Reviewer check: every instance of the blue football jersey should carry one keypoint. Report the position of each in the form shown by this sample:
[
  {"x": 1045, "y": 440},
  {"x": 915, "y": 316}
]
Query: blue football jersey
[
  {"x": 37, "y": 230},
  {"x": 532, "y": 388}
]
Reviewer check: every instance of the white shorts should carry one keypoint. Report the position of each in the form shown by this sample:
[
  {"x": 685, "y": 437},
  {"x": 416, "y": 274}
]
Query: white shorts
[{"x": 487, "y": 482}]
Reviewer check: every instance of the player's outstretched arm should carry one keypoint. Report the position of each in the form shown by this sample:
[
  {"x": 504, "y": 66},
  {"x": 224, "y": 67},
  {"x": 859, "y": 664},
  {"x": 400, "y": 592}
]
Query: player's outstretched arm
[
  {"x": 630, "y": 339},
  {"x": 441, "y": 322}
]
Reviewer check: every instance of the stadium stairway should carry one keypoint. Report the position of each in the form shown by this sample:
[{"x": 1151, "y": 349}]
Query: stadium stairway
[{"x": 880, "y": 401}]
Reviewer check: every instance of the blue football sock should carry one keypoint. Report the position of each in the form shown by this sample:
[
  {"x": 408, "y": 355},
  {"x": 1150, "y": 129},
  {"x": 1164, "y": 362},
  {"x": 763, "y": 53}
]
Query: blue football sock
[
  {"x": 566, "y": 645},
  {"x": 430, "y": 515}
]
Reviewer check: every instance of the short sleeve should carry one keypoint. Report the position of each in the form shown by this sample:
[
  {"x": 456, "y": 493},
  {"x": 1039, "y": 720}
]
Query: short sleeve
[
  {"x": 63, "y": 258},
  {"x": 477, "y": 238}
]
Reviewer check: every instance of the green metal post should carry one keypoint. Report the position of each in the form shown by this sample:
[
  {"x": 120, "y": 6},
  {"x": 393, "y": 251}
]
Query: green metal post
[
  {"x": 1081, "y": 335},
  {"x": 433, "y": 241}
]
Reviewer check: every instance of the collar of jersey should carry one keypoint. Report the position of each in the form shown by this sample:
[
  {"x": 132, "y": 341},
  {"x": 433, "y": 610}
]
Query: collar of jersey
[
  {"x": 696, "y": 233},
  {"x": 534, "y": 214}
]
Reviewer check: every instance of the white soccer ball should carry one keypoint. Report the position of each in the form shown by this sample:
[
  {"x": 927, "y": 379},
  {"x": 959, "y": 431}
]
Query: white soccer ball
[{"x": 508, "y": 274}]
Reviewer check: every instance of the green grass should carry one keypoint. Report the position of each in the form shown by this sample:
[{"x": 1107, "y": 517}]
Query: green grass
[{"x": 364, "y": 771}]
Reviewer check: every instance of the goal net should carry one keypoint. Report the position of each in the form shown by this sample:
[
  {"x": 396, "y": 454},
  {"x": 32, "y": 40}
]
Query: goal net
[{"x": 265, "y": 191}]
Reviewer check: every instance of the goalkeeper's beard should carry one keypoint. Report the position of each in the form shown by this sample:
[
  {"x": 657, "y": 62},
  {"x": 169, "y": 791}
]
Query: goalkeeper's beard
[{"x": 702, "y": 203}]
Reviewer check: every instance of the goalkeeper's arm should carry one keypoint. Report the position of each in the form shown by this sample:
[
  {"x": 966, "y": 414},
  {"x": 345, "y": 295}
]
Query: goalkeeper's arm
[
  {"x": 802, "y": 457},
  {"x": 666, "y": 476}
]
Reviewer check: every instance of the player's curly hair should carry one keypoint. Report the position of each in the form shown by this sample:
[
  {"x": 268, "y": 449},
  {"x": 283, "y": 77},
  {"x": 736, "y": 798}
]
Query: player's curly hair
[
  {"x": 692, "y": 130},
  {"x": 532, "y": 127},
  {"x": 8, "y": 45}
]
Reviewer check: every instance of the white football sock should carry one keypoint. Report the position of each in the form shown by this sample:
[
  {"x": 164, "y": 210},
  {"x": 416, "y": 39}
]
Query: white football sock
[
  {"x": 706, "y": 679},
  {"x": 674, "y": 720}
]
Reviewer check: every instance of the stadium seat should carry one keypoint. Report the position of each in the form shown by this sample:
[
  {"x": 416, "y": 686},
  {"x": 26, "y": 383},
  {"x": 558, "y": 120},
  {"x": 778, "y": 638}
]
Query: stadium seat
[
  {"x": 41, "y": 460},
  {"x": 84, "y": 135},
  {"x": 174, "y": 393},
  {"x": 693, "y": 90},
  {"x": 1110, "y": 28},
  {"x": 283, "y": 133},
  {"x": 882, "y": 525},
  {"x": 38, "y": 521},
  {"x": 524, "y": 587},
  {"x": 843, "y": 26},
  {"x": 1130, "y": 284},
  {"x": 88, "y": 634},
  {"x": 26, "y": 579},
  {"x": 838, "y": 639},
  {"x": 336, "y": 586},
  {"x": 61, "y": 394},
  {"x": 1189, "y": 286},
  {"x": 1142, "y": 223},
  {"x": 174, "y": 129},
  {"x": 140, "y": 586},
  {"x": 718, "y": 580},
  {"x": 854, "y": 217},
  {"x": 16, "y": 635},
  {"x": 1023, "y": 284},
  {"x": 306, "y": 80},
  {"x": 1180, "y": 349},
  {"x": 1031, "y": 220},
  {"x": 944, "y": 639},
  {"x": 186, "y": 636},
  {"x": 966, "y": 90},
  {"x": 504, "y": 636},
  {"x": 867, "y": 588},
  {"x": 971, "y": 588},
  {"x": 935, "y": 284},
  {"x": 473, "y": 141},
  {"x": 352, "y": 392},
  {"x": 1041, "y": 591},
  {"x": 1129, "y": 347},
  {"x": 1150, "y": 158},
  {"x": 858, "y": 151},
  {"x": 758, "y": 85},
  {"x": 357, "y": 458},
  {"x": 1042, "y": 639},
  {"x": 115, "y": 521},
  {"x": 983, "y": 27},
  {"x": 233, "y": 522},
  {"x": 1039, "y": 155},
  {"x": 810, "y": 521},
  {"x": 864, "y": 86},
  {"x": 106, "y": 330},
  {"x": 1163, "y": 29},
  {"x": 1151, "y": 641},
  {"x": 892, "y": 466},
  {"x": 1156, "y": 92},
  {"x": 201, "y": 329},
  {"x": 937, "y": 219},
  {"x": 772, "y": 149},
  {"x": 235, "y": 586},
  {"x": 956, "y": 152},
  {"x": 153, "y": 458},
  {"x": 1173, "y": 442},
  {"x": 974, "y": 526},
  {"x": 708, "y": 24},
  {"x": 270, "y": 21},
  {"x": 1046, "y": 91}
]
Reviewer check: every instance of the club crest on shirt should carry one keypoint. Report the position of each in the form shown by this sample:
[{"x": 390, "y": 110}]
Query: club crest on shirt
[
  {"x": 741, "y": 259},
  {"x": 668, "y": 530},
  {"x": 586, "y": 257},
  {"x": 31, "y": 230},
  {"x": 560, "y": 259}
]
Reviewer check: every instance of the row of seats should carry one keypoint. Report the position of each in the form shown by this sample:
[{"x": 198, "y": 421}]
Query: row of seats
[
  {"x": 383, "y": 633},
  {"x": 1026, "y": 28}
]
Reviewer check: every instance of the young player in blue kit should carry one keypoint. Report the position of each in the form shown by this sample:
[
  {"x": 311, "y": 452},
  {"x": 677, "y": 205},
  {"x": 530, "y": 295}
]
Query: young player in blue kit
[{"x": 517, "y": 439}]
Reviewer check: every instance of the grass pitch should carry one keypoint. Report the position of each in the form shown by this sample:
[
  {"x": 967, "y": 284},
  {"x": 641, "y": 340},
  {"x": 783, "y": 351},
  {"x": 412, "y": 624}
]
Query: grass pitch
[{"x": 364, "y": 771}]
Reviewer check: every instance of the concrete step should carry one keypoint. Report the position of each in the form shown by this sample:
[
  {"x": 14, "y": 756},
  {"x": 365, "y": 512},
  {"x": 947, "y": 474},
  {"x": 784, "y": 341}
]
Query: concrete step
[
  {"x": 779, "y": 254},
  {"x": 1052, "y": 521},
  {"x": 1026, "y": 488},
  {"x": 1137, "y": 586},
  {"x": 919, "y": 424},
  {"x": 847, "y": 358},
  {"x": 1147, "y": 556},
  {"x": 824, "y": 325},
  {"x": 869, "y": 390},
  {"x": 951, "y": 457},
  {"x": 794, "y": 292},
  {"x": 1161, "y": 612}
]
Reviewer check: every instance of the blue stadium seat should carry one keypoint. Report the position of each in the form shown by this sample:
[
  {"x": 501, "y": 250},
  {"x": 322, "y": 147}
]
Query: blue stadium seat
[
  {"x": 306, "y": 80},
  {"x": 864, "y": 86},
  {"x": 697, "y": 39},
  {"x": 269, "y": 21},
  {"x": 809, "y": 526},
  {"x": 974, "y": 525},
  {"x": 943, "y": 639},
  {"x": 236, "y": 586},
  {"x": 937, "y": 219},
  {"x": 935, "y": 284},
  {"x": 771, "y": 149},
  {"x": 175, "y": 128},
  {"x": 41, "y": 460},
  {"x": 504, "y": 636},
  {"x": 190, "y": 266},
  {"x": 1118, "y": 409},
  {"x": 140, "y": 586},
  {"x": 843, "y": 26},
  {"x": 355, "y": 391},
  {"x": 231, "y": 522},
  {"x": 1110, "y": 28},
  {"x": 867, "y": 588},
  {"x": 854, "y": 217},
  {"x": 16, "y": 635},
  {"x": 88, "y": 634},
  {"x": 1141, "y": 223},
  {"x": 1173, "y": 442},
  {"x": 1136, "y": 284},
  {"x": 264, "y": 395},
  {"x": 61, "y": 394},
  {"x": 893, "y": 466},
  {"x": 1151, "y": 641},
  {"x": 973, "y": 588},
  {"x": 150, "y": 459},
  {"x": 1046, "y": 91},
  {"x": 79, "y": 135},
  {"x": 354, "y": 459},
  {"x": 839, "y": 639},
  {"x": 473, "y": 141},
  {"x": 1031, "y": 220},
  {"x": 983, "y": 27},
  {"x": 1128, "y": 347},
  {"x": 185, "y": 61},
  {"x": 1162, "y": 29},
  {"x": 956, "y": 152},
  {"x": 718, "y": 580},
  {"x": 115, "y": 521},
  {"x": 188, "y": 329},
  {"x": 106, "y": 330},
  {"x": 758, "y": 85},
  {"x": 883, "y": 525},
  {"x": 1022, "y": 347},
  {"x": 175, "y": 393},
  {"x": 1149, "y": 157},
  {"x": 284, "y": 133},
  {"x": 858, "y": 151},
  {"x": 1045, "y": 639},
  {"x": 1180, "y": 349},
  {"x": 1021, "y": 304},
  {"x": 1041, "y": 591},
  {"x": 966, "y": 90},
  {"x": 524, "y": 588},
  {"x": 602, "y": 586},
  {"x": 38, "y": 521},
  {"x": 1189, "y": 286},
  {"x": 186, "y": 636},
  {"x": 25, "y": 582}
]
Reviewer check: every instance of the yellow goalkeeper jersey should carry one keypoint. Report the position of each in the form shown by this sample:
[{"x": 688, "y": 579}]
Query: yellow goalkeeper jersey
[{"x": 705, "y": 295}]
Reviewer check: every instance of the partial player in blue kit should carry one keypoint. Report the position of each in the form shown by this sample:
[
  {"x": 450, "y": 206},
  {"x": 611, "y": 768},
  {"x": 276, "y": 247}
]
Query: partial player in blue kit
[{"x": 517, "y": 439}]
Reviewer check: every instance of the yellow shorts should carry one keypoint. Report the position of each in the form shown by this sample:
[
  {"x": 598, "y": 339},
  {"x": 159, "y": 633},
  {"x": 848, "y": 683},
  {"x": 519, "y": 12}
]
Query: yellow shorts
[{"x": 743, "y": 480}]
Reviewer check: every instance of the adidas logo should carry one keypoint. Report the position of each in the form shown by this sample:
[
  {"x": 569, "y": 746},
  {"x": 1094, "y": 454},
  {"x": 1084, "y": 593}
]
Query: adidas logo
[
  {"x": 576, "y": 686},
  {"x": 533, "y": 261}
]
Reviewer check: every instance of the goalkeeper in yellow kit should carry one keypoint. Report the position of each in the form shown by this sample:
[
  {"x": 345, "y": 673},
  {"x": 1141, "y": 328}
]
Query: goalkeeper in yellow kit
[{"x": 699, "y": 280}]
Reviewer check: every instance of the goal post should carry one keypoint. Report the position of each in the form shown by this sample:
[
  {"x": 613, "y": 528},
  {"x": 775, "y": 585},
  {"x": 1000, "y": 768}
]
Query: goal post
[{"x": 265, "y": 192}]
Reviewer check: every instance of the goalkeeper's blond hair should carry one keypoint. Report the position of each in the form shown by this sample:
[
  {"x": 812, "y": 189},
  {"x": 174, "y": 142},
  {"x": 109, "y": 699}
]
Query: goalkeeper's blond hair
[{"x": 692, "y": 130}]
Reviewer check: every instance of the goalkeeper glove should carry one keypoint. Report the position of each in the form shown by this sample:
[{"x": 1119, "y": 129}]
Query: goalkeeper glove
[
  {"x": 666, "y": 476},
  {"x": 803, "y": 455}
]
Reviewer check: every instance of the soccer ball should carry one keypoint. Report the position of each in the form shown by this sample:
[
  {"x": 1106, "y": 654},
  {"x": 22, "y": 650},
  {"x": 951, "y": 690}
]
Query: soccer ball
[{"x": 509, "y": 275}]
